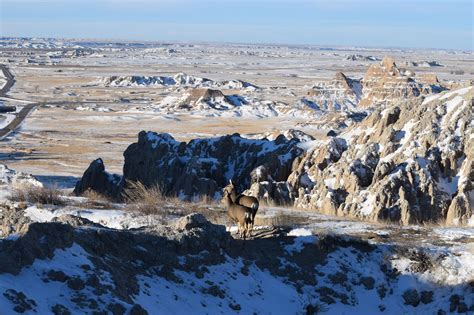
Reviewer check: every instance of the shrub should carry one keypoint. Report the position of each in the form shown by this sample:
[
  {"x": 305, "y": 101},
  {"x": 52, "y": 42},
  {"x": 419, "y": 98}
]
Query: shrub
[
  {"x": 146, "y": 200},
  {"x": 37, "y": 194}
]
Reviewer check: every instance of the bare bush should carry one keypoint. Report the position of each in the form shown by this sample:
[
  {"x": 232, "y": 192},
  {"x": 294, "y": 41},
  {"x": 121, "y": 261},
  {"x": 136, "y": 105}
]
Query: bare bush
[
  {"x": 153, "y": 201},
  {"x": 146, "y": 200},
  {"x": 37, "y": 194}
]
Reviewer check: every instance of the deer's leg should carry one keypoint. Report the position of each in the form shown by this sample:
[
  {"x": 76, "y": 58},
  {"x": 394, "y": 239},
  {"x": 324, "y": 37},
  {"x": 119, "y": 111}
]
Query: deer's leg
[{"x": 228, "y": 222}]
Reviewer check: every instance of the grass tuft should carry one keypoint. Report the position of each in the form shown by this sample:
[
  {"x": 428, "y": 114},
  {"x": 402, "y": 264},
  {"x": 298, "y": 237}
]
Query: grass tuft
[
  {"x": 145, "y": 200},
  {"x": 37, "y": 194}
]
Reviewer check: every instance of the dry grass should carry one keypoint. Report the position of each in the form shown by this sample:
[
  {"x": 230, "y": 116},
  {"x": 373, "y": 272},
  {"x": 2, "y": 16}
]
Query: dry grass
[
  {"x": 280, "y": 219},
  {"x": 205, "y": 201},
  {"x": 36, "y": 194},
  {"x": 153, "y": 201},
  {"x": 96, "y": 200},
  {"x": 145, "y": 200}
]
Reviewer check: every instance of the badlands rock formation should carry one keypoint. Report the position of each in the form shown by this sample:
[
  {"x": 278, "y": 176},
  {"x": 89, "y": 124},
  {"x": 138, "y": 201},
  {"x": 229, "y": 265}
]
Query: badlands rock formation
[
  {"x": 341, "y": 93},
  {"x": 208, "y": 102},
  {"x": 95, "y": 178},
  {"x": 342, "y": 101},
  {"x": 358, "y": 57},
  {"x": 180, "y": 79},
  {"x": 408, "y": 163},
  {"x": 337, "y": 100},
  {"x": 199, "y": 167},
  {"x": 386, "y": 83}
]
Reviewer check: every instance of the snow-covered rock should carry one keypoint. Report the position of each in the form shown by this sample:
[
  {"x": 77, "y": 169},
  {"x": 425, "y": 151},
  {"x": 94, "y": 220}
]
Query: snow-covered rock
[
  {"x": 339, "y": 94},
  {"x": 180, "y": 79},
  {"x": 11, "y": 177},
  {"x": 409, "y": 163},
  {"x": 199, "y": 167}
]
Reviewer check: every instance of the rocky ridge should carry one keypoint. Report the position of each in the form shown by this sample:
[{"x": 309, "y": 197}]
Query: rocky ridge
[
  {"x": 409, "y": 163},
  {"x": 180, "y": 79},
  {"x": 199, "y": 167},
  {"x": 204, "y": 101}
]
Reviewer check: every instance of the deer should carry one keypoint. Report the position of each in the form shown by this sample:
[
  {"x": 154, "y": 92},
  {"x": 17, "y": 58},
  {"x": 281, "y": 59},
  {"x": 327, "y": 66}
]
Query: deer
[
  {"x": 244, "y": 200},
  {"x": 238, "y": 213}
]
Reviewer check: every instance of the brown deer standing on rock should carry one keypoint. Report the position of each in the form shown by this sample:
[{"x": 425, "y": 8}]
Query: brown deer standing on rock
[
  {"x": 237, "y": 213},
  {"x": 244, "y": 200}
]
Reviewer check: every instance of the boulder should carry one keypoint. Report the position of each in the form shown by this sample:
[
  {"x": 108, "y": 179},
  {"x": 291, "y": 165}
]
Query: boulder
[
  {"x": 190, "y": 221},
  {"x": 13, "y": 220},
  {"x": 97, "y": 179}
]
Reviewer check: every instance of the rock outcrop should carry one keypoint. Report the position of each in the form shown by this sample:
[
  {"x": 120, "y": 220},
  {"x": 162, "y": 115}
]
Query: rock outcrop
[
  {"x": 339, "y": 94},
  {"x": 12, "y": 218},
  {"x": 408, "y": 163},
  {"x": 180, "y": 79},
  {"x": 74, "y": 266},
  {"x": 386, "y": 83},
  {"x": 204, "y": 100},
  {"x": 359, "y": 57},
  {"x": 10, "y": 177},
  {"x": 199, "y": 167},
  {"x": 97, "y": 179}
]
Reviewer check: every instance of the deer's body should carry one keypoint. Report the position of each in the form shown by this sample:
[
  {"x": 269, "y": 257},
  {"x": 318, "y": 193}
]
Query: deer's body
[
  {"x": 240, "y": 214},
  {"x": 244, "y": 200}
]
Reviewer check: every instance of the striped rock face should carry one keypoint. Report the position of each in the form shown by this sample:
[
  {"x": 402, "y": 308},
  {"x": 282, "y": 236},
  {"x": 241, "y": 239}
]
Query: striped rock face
[{"x": 387, "y": 83}]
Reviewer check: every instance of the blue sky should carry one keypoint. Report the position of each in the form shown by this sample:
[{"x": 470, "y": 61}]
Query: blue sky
[{"x": 388, "y": 23}]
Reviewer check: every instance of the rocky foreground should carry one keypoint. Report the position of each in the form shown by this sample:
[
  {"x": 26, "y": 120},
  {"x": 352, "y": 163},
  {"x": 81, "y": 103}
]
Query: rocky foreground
[{"x": 71, "y": 265}]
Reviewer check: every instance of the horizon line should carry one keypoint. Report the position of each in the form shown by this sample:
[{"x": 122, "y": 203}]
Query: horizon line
[{"x": 157, "y": 41}]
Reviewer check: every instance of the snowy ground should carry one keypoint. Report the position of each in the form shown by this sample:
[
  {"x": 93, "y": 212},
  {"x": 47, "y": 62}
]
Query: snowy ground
[{"x": 349, "y": 277}]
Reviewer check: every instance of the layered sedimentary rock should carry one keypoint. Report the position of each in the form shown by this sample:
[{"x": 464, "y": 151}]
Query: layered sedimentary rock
[
  {"x": 203, "y": 100},
  {"x": 408, "y": 163},
  {"x": 341, "y": 93},
  {"x": 386, "y": 83}
]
